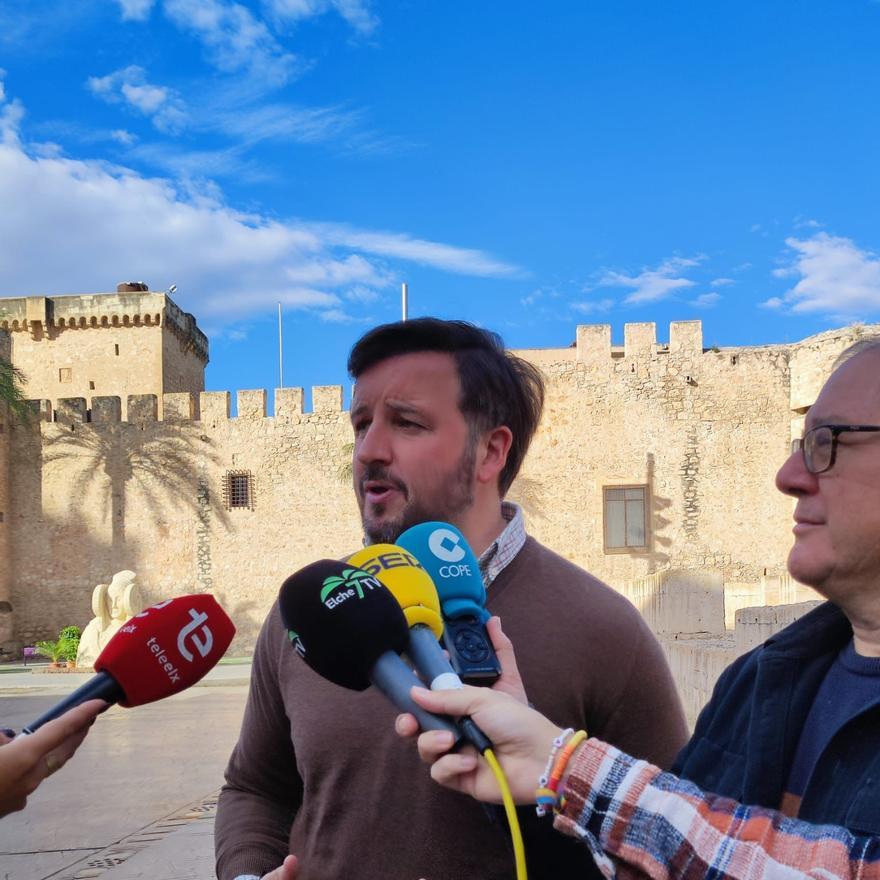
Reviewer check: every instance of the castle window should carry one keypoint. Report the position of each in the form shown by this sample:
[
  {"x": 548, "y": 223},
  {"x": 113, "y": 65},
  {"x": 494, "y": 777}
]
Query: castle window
[
  {"x": 65, "y": 374},
  {"x": 625, "y": 518},
  {"x": 117, "y": 349},
  {"x": 238, "y": 490}
]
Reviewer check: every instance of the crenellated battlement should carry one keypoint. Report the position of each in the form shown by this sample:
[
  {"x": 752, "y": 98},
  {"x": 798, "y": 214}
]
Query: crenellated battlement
[
  {"x": 209, "y": 407},
  {"x": 50, "y": 315},
  {"x": 639, "y": 340}
]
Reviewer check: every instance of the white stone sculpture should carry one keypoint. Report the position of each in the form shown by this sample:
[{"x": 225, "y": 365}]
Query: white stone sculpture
[{"x": 112, "y": 606}]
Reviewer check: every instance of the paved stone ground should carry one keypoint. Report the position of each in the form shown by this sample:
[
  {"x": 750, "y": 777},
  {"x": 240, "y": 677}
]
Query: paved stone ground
[{"x": 137, "y": 800}]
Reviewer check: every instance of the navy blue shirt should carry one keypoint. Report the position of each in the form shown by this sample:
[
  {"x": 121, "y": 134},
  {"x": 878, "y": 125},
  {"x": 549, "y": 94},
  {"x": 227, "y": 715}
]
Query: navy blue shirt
[{"x": 851, "y": 684}]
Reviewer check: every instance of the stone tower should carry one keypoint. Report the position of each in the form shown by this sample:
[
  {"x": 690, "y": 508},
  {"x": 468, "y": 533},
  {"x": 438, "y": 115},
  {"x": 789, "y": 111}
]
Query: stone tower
[{"x": 133, "y": 341}]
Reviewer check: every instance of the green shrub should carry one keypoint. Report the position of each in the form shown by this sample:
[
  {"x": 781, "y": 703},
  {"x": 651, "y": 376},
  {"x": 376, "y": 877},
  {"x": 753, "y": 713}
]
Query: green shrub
[
  {"x": 53, "y": 650},
  {"x": 64, "y": 648},
  {"x": 70, "y": 637}
]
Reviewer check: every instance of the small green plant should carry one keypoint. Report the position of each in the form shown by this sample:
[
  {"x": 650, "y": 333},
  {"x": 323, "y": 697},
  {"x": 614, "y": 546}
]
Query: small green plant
[
  {"x": 54, "y": 651},
  {"x": 63, "y": 648},
  {"x": 70, "y": 636}
]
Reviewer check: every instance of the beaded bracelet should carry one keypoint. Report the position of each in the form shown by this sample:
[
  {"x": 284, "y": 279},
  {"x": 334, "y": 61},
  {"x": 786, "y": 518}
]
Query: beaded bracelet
[
  {"x": 547, "y": 796},
  {"x": 543, "y": 803}
]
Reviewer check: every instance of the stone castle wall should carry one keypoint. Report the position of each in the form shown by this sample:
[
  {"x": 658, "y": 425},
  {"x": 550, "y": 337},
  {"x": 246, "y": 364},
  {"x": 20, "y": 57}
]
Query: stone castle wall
[
  {"x": 705, "y": 430},
  {"x": 104, "y": 344},
  {"x": 147, "y": 495}
]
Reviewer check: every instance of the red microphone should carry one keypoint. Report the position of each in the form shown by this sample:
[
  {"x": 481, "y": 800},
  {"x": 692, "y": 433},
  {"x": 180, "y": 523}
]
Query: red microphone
[{"x": 156, "y": 654}]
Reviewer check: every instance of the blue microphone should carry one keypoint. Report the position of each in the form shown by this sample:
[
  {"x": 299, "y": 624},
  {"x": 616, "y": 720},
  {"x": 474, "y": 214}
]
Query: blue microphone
[{"x": 445, "y": 555}]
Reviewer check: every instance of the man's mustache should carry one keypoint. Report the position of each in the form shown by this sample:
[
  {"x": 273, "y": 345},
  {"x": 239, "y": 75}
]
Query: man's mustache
[{"x": 380, "y": 474}]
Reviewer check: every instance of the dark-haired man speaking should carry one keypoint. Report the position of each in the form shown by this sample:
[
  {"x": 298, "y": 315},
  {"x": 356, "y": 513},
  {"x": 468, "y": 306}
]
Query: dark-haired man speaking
[{"x": 443, "y": 417}]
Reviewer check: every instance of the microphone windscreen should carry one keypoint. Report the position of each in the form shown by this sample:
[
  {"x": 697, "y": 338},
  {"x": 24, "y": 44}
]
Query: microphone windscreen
[
  {"x": 340, "y": 620},
  {"x": 167, "y": 648},
  {"x": 452, "y": 565},
  {"x": 407, "y": 580}
]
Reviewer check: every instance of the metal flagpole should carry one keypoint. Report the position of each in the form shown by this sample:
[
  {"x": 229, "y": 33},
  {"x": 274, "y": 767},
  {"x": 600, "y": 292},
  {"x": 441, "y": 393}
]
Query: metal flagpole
[
  {"x": 280, "y": 351},
  {"x": 403, "y": 296}
]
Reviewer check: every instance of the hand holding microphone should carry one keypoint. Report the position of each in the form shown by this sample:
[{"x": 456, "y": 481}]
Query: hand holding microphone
[
  {"x": 157, "y": 653},
  {"x": 521, "y": 737},
  {"x": 412, "y": 587},
  {"x": 25, "y": 762}
]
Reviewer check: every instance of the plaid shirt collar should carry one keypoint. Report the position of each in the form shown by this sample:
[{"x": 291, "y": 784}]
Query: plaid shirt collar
[{"x": 500, "y": 553}]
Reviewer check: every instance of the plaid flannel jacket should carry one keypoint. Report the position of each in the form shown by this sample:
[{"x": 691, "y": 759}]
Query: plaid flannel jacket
[{"x": 638, "y": 821}]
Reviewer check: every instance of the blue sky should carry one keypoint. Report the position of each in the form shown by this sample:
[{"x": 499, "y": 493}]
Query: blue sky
[{"x": 525, "y": 166}]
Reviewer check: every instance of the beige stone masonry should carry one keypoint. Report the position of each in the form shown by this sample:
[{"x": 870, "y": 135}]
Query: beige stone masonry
[
  {"x": 251, "y": 404},
  {"x": 107, "y": 410},
  {"x": 594, "y": 343},
  {"x": 702, "y": 431},
  {"x": 179, "y": 406},
  {"x": 639, "y": 339},
  {"x": 142, "y": 408},
  {"x": 289, "y": 403},
  {"x": 214, "y": 407},
  {"x": 686, "y": 336},
  {"x": 71, "y": 410},
  {"x": 327, "y": 398}
]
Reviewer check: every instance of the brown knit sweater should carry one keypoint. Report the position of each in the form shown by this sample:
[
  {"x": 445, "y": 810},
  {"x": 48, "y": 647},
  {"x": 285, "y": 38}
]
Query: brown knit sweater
[{"x": 318, "y": 770}]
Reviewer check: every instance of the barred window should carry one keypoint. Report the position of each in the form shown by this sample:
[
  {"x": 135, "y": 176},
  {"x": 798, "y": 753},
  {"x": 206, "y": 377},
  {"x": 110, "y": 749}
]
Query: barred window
[
  {"x": 625, "y": 516},
  {"x": 238, "y": 490}
]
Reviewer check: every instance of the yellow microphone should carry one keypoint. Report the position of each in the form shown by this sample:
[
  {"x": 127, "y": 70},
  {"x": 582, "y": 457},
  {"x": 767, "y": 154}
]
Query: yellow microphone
[{"x": 412, "y": 586}]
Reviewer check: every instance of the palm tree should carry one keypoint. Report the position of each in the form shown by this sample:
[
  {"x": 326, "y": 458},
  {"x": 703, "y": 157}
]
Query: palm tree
[{"x": 11, "y": 382}]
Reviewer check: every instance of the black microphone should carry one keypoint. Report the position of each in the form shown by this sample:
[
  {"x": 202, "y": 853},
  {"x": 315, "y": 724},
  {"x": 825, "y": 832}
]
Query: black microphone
[{"x": 348, "y": 627}]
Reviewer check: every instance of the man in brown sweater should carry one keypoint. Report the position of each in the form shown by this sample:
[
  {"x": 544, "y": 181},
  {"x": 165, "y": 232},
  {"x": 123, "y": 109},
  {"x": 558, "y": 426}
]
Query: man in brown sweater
[{"x": 442, "y": 417}]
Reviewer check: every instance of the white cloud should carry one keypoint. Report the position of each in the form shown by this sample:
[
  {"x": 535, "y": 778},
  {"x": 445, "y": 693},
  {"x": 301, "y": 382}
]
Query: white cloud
[
  {"x": 81, "y": 226},
  {"x": 651, "y": 285},
  {"x": 11, "y": 114},
  {"x": 590, "y": 307},
  {"x": 836, "y": 277},
  {"x": 362, "y": 294},
  {"x": 120, "y": 135},
  {"x": 706, "y": 300},
  {"x": 135, "y": 10},
  {"x": 773, "y": 303},
  {"x": 356, "y": 12},
  {"x": 462, "y": 261},
  {"x": 721, "y": 282},
  {"x": 234, "y": 39},
  {"x": 340, "y": 316},
  {"x": 129, "y": 86}
]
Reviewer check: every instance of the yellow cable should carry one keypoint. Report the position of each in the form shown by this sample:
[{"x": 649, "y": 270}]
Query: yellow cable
[{"x": 519, "y": 851}]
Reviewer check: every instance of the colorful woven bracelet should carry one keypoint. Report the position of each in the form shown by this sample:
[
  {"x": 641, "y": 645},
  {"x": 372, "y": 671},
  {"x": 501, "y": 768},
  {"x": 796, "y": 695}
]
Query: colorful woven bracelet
[
  {"x": 561, "y": 763},
  {"x": 546, "y": 795}
]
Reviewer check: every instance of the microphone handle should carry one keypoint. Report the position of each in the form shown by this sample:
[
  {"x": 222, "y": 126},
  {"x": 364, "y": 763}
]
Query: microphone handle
[
  {"x": 101, "y": 686},
  {"x": 395, "y": 679},
  {"x": 429, "y": 660},
  {"x": 432, "y": 664}
]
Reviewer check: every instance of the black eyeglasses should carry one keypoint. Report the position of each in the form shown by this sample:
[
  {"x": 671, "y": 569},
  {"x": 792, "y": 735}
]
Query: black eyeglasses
[{"x": 819, "y": 445}]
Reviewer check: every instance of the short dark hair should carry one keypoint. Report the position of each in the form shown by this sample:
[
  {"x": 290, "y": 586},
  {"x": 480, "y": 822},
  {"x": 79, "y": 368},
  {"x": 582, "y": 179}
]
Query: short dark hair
[{"x": 497, "y": 388}]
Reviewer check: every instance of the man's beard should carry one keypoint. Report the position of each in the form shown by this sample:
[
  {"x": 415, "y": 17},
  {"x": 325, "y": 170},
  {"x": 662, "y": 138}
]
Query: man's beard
[{"x": 455, "y": 495}]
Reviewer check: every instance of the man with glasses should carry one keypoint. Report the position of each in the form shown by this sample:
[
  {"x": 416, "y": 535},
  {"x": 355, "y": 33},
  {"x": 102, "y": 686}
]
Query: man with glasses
[{"x": 795, "y": 724}]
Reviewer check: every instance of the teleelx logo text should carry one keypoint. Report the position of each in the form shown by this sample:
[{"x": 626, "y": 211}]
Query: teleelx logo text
[
  {"x": 337, "y": 589},
  {"x": 203, "y": 640},
  {"x": 446, "y": 545}
]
